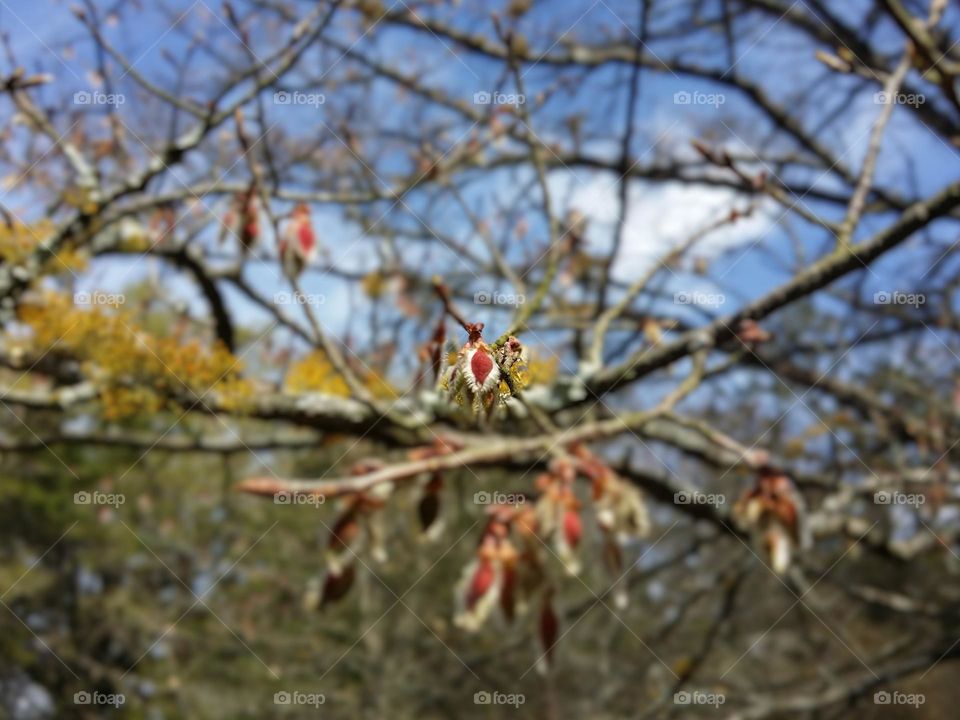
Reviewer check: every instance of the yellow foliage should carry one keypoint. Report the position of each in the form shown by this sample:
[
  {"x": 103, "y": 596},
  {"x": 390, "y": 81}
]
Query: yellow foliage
[
  {"x": 124, "y": 402},
  {"x": 372, "y": 11},
  {"x": 18, "y": 241},
  {"x": 682, "y": 666},
  {"x": 137, "y": 372},
  {"x": 68, "y": 258},
  {"x": 541, "y": 371},
  {"x": 520, "y": 375},
  {"x": 816, "y": 430},
  {"x": 80, "y": 198},
  {"x": 314, "y": 373},
  {"x": 794, "y": 448},
  {"x": 374, "y": 284}
]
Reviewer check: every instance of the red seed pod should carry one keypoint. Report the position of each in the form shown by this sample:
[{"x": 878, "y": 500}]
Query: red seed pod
[
  {"x": 549, "y": 628},
  {"x": 481, "y": 364},
  {"x": 298, "y": 244},
  {"x": 336, "y": 586},
  {"x": 479, "y": 370},
  {"x": 780, "y": 499},
  {"x": 249, "y": 230},
  {"x": 481, "y": 582},
  {"x": 750, "y": 333},
  {"x": 242, "y": 219},
  {"x": 572, "y": 527},
  {"x": 774, "y": 511},
  {"x": 344, "y": 531},
  {"x": 508, "y": 592},
  {"x": 306, "y": 240},
  {"x": 429, "y": 507}
]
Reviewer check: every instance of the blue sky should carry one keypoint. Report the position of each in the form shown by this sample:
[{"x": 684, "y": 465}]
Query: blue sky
[{"x": 46, "y": 36}]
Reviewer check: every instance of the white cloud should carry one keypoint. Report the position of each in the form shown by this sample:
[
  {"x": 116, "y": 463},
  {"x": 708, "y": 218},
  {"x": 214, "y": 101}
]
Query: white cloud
[{"x": 663, "y": 215}]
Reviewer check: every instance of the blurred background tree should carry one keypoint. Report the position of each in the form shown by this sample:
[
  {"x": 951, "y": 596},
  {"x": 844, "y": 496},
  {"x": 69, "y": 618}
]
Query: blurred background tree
[{"x": 479, "y": 359}]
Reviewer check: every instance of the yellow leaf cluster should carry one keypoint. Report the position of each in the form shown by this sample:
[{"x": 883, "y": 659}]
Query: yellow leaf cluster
[
  {"x": 519, "y": 375},
  {"x": 80, "y": 198},
  {"x": 138, "y": 373},
  {"x": 314, "y": 373},
  {"x": 374, "y": 284},
  {"x": 541, "y": 371},
  {"x": 18, "y": 241}
]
